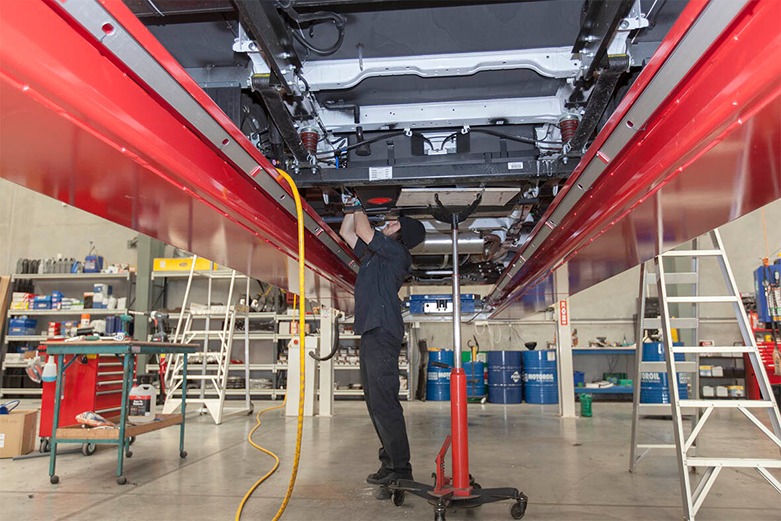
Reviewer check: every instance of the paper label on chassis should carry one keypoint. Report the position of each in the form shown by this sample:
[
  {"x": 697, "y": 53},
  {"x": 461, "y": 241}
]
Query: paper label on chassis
[{"x": 378, "y": 173}]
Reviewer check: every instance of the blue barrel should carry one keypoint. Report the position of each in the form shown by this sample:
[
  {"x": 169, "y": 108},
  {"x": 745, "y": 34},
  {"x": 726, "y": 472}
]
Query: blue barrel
[
  {"x": 475, "y": 379},
  {"x": 540, "y": 384},
  {"x": 438, "y": 377},
  {"x": 504, "y": 377},
  {"x": 654, "y": 387}
]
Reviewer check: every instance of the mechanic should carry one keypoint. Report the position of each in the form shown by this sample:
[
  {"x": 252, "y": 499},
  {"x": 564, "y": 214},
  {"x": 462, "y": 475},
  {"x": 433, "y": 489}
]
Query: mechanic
[{"x": 385, "y": 265}]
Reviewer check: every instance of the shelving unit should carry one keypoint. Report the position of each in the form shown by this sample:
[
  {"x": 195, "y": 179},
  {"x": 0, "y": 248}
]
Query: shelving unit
[{"x": 70, "y": 284}]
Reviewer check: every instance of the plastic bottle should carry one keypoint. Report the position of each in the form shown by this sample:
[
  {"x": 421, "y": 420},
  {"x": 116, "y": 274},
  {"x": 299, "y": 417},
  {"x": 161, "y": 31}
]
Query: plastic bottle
[
  {"x": 143, "y": 398},
  {"x": 49, "y": 370}
]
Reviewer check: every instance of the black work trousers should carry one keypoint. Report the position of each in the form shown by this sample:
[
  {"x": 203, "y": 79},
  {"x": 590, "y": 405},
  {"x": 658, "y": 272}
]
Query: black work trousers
[{"x": 379, "y": 356}]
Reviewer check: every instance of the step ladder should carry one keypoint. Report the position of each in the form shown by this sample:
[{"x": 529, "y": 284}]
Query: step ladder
[
  {"x": 648, "y": 284},
  {"x": 210, "y": 367},
  {"x": 693, "y": 496}
]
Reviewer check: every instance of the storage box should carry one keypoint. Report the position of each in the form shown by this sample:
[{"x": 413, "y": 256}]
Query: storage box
[
  {"x": 42, "y": 302},
  {"x": 100, "y": 295},
  {"x": 93, "y": 264},
  {"x": 182, "y": 264},
  {"x": 17, "y": 433},
  {"x": 22, "y": 326},
  {"x": 708, "y": 391},
  {"x": 717, "y": 371},
  {"x": 440, "y": 303},
  {"x": 722, "y": 391}
]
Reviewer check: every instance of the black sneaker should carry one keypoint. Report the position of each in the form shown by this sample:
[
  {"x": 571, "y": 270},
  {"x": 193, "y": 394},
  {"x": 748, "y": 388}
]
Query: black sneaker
[
  {"x": 378, "y": 477},
  {"x": 394, "y": 476}
]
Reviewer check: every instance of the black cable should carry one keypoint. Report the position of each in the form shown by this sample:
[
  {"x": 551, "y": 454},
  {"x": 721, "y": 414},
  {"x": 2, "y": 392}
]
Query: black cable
[
  {"x": 318, "y": 17},
  {"x": 519, "y": 139},
  {"x": 360, "y": 143}
]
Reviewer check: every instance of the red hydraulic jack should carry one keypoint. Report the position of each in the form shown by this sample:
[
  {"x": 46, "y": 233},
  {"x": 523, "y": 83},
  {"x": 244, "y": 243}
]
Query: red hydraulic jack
[{"x": 460, "y": 490}]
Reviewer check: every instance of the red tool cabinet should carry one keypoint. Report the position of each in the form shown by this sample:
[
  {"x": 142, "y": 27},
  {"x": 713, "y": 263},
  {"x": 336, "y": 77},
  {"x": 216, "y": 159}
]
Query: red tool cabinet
[
  {"x": 93, "y": 383},
  {"x": 766, "y": 354}
]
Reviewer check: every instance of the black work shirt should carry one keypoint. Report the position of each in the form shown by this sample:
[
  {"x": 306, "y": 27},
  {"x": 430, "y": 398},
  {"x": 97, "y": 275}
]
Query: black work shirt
[{"x": 385, "y": 265}]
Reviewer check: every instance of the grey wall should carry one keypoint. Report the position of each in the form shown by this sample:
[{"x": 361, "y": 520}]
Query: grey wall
[{"x": 35, "y": 226}]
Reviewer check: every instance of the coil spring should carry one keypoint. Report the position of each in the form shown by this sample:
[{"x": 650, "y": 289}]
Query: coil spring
[{"x": 569, "y": 127}]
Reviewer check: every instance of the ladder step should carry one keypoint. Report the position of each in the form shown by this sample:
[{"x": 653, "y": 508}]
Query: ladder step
[
  {"x": 661, "y": 367},
  {"x": 674, "y": 278},
  {"x": 701, "y": 299},
  {"x": 729, "y": 404},
  {"x": 734, "y": 462},
  {"x": 675, "y": 323},
  {"x": 693, "y": 253},
  {"x": 713, "y": 349},
  {"x": 178, "y": 377},
  {"x": 656, "y": 446}
]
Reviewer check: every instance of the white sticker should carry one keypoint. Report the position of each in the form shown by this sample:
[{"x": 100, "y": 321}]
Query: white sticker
[
  {"x": 515, "y": 165},
  {"x": 551, "y": 356},
  {"x": 2, "y": 440},
  {"x": 377, "y": 173}
]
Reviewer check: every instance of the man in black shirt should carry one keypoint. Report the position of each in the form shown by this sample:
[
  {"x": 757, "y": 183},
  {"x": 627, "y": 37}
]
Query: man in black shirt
[{"x": 385, "y": 265}]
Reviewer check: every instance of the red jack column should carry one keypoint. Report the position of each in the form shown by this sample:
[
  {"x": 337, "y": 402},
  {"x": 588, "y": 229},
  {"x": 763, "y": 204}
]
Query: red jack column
[{"x": 458, "y": 420}]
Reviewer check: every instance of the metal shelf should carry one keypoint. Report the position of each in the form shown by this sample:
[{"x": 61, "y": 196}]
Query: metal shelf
[
  {"x": 616, "y": 389},
  {"x": 25, "y": 338},
  {"x": 71, "y": 276},
  {"x": 604, "y": 351},
  {"x": 65, "y": 312},
  {"x": 23, "y": 391},
  {"x": 356, "y": 366}
]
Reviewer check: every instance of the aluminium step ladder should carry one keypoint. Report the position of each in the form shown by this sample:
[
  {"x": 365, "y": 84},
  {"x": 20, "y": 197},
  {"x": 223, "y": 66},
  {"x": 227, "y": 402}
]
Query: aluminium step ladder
[
  {"x": 213, "y": 366},
  {"x": 647, "y": 369},
  {"x": 692, "y": 495}
]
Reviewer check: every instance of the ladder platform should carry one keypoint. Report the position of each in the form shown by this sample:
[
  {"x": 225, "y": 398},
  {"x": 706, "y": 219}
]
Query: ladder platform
[
  {"x": 697, "y": 461},
  {"x": 729, "y": 404},
  {"x": 702, "y": 299},
  {"x": 712, "y": 349},
  {"x": 661, "y": 367},
  {"x": 693, "y": 253},
  {"x": 675, "y": 323},
  {"x": 655, "y": 445}
]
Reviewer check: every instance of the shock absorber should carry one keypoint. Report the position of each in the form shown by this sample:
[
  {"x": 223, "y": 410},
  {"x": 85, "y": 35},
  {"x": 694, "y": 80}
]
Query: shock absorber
[
  {"x": 309, "y": 138},
  {"x": 568, "y": 125}
]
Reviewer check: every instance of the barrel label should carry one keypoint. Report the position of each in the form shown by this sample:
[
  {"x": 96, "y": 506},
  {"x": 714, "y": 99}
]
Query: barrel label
[
  {"x": 538, "y": 377},
  {"x": 516, "y": 377},
  {"x": 651, "y": 377},
  {"x": 434, "y": 376}
]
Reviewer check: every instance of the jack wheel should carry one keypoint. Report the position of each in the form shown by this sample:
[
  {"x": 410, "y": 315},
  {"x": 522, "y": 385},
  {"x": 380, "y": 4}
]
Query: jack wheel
[
  {"x": 398, "y": 497},
  {"x": 88, "y": 449},
  {"x": 129, "y": 454},
  {"x": 518, "y": 509},
  {"x": 121, "y": 480},
  {"x": 54, "y": 479},
  {"x": 382, "y": 493},
  {"x": 183, "y": 454}
]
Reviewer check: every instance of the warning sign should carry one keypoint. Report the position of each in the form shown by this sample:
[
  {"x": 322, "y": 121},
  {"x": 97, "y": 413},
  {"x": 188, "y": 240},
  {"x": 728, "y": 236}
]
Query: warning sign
[{"x": 563, "y": 313}]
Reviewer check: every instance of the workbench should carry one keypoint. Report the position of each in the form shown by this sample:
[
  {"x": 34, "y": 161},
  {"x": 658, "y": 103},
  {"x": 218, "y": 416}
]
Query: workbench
[{"x": 124, "y": 434}]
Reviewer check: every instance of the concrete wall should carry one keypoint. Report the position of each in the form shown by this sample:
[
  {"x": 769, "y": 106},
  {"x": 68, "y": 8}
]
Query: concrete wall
[{"x": 35, "y": 226}]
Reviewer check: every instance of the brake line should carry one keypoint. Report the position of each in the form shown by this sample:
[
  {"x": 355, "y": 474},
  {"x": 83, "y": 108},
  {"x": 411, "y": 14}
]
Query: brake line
[{"x": 302, "y": 361}]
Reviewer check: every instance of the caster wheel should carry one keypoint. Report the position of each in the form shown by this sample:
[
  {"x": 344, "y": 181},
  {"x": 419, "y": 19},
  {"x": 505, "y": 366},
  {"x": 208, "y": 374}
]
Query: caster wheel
[
  {"x": 121, "y": 480},
  {"x": 439, "y": 517},
  {"x": 54, "y": 479},
  {"x": 129, "y": 454},
  {"x": 183, "y": 454},
  {"x": 382, "y": 493},
  {"x": 518, "y": 509},
  {"x": 45, "y": 446},
  {"x": 398, "y": 497},
  {"x": 476, "y": 486},
  {"x": 88, "y": 449},
  {"x": 251, "y": 409},
  {"x": 131, "y": 440}
]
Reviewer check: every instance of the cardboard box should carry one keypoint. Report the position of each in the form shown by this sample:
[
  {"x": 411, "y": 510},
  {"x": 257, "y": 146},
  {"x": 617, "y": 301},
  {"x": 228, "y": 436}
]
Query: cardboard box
[
  {"x": 182, "y": 264},
  {"x": 17, "y": 433}
]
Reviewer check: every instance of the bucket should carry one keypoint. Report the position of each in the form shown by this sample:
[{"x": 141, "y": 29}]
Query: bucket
[
  {"x": 475, "y": 379},
  {"x": 654, "y": 387},
  {"x": 504, "y": 377},
  {"x": 540, "y": 384},
  {"x": 143, "y": 398},
  {"x": 438, "y": 375}
]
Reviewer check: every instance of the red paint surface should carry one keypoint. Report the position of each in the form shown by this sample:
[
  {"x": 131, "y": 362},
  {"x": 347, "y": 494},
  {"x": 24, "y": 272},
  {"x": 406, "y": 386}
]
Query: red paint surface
[
  {"x": 709, "y": 154},
  {"x": 78, "y": 128},
  {"x": 460, "y": 432}
]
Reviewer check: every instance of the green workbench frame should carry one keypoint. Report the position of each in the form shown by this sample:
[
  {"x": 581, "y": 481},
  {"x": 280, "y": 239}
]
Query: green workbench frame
[{"x": 127, "y": 350}]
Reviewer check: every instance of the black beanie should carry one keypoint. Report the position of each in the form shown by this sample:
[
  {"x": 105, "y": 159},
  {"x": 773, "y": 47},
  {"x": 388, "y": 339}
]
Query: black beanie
[{"x": 412, "y": 232}]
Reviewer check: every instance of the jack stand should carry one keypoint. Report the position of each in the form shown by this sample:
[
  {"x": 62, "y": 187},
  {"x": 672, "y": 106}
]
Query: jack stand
[{"x": 460, "y": 490}]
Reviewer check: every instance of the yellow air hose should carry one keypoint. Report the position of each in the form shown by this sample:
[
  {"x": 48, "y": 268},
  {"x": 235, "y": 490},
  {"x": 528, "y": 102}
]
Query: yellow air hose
[{"x": 302, "y": 360}]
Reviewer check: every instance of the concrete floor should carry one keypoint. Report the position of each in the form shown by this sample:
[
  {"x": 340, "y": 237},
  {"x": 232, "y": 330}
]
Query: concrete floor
[{"x": 574, "y": 469}]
